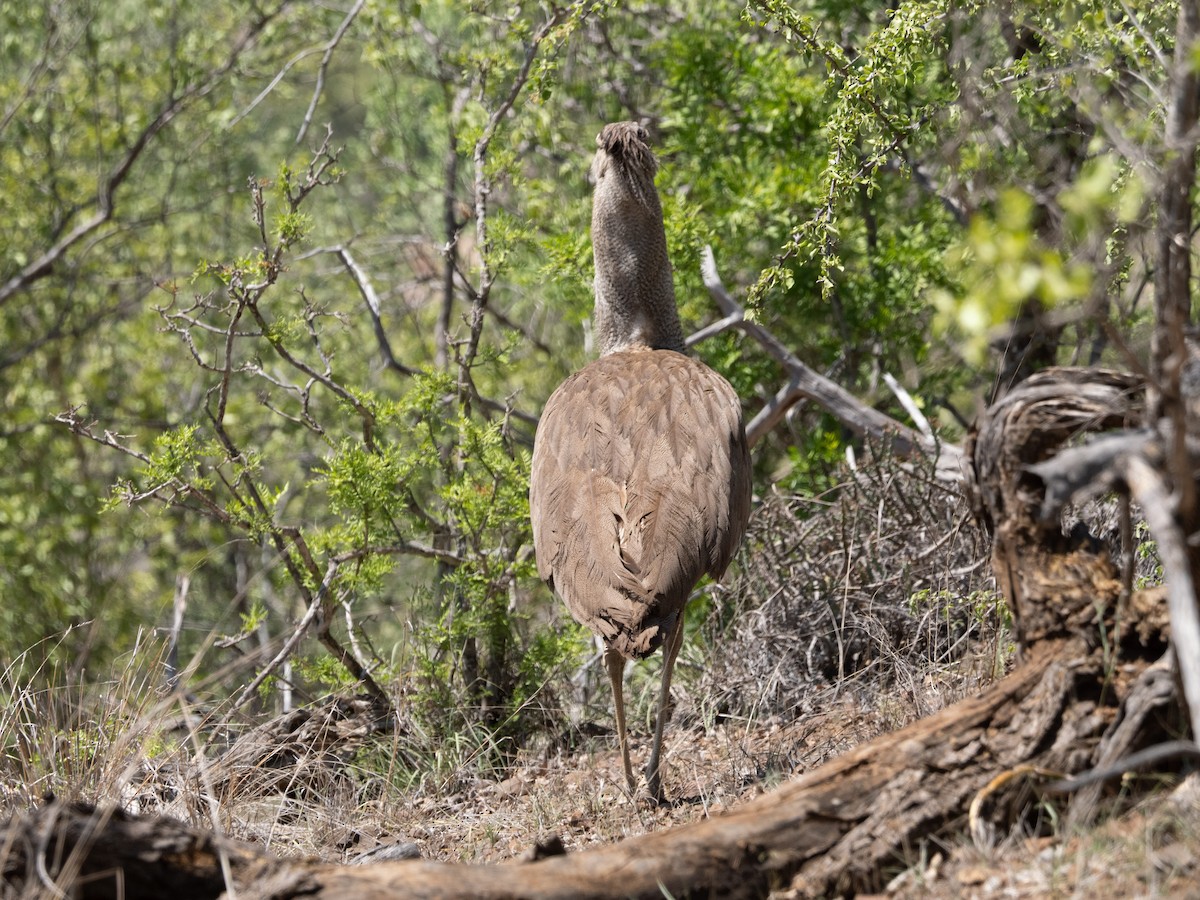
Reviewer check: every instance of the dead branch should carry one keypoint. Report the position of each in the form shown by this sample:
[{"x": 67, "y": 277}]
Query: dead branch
[
  {"x": 804, "y": 383},
  {"x": 298, "y": 753},
  {"x": 1151, "y": 693},
  {"x": 773, "y": 410},
  {"x": 1024, "y": 480},
  {"x": 910, "y": 406},
  {"x": 1156, "y": 500},
  {"x": 310, "y": 615},
  {"x": 1080, "y": 473},
  {"x": 367, "y": 290}
]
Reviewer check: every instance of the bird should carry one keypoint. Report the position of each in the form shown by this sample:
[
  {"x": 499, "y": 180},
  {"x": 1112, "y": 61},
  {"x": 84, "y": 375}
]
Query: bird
[{"x": 640, "y": 480}]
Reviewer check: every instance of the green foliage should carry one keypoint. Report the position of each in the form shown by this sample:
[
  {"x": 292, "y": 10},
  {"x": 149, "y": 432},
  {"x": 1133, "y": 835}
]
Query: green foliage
[
  {"x": 254, "y": 617},
  {"x": 323, "y": 671},
  {"x": 1002, "y": 267},
  {"x": 319, "y": 361},
  {"x": 875, "y": 103},
  {"x": 1149, "y": 566},
  {"x": 980, "y": 605},
  {"x": 785, "y": 134},
  {"x": 386, "y": 473},
  {"x": 1002, "y": 264}
]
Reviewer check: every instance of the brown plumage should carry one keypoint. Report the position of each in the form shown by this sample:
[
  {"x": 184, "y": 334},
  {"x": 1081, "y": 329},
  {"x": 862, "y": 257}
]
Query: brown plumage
[{"x": 641, "y": 473}]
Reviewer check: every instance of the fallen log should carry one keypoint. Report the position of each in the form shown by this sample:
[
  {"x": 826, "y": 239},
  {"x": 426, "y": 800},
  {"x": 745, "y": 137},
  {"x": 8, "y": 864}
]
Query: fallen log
[
  {"x": 839, "y": 827},
  {"x": 1078, "y": 697}
]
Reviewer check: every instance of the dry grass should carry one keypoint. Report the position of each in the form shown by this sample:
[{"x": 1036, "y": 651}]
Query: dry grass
[
  {"x": 848, "y": 618},
  {"x": 882, "y": 586},
  {"x": 1152, "y": 850},
  {"x": 75, "y": 738}
]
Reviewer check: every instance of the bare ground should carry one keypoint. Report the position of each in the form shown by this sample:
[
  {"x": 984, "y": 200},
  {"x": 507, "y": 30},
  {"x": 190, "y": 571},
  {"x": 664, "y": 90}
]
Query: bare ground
[{"x": 1149, "y": 850}]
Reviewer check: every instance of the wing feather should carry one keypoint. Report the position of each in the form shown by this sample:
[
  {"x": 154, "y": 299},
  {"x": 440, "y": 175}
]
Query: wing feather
[{"x": 640, "y": 485}]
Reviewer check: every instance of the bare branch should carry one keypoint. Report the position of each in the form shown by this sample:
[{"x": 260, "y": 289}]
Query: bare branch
[
  {"x": 274, "y": 83},
  {"x": 110, "y": 439},
  {"x": 367, "y": 291},
  {"x": 1079, "y": 473},
  {"x": 289, "y": 646},
  {"x": 910, "y": 406},
  {"x": 363, "y": 281},
  {"x": 775, "y": 409},
  {"x": 1159, "y": 506},
  {"x": 733, "y": 320},
  {"x": 530, "y": 338},
  {"x": 925, "y": 181},
  {"x": 406, "y": 548},
  {"x": 329, "y": 48},
  {"x": 105, "y": 201},
  {"x": 806, "y": 383}
]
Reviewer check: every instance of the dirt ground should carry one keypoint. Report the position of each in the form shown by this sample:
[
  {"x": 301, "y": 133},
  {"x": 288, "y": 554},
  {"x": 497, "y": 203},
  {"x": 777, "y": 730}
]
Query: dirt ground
[
  {"x": 1149, "y": 849},
  {"x": 1152, "y": 850}
]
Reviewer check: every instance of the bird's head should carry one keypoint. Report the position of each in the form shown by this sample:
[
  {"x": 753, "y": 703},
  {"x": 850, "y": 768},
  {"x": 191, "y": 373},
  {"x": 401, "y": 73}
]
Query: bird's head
[{"x": 623, "y": 149}]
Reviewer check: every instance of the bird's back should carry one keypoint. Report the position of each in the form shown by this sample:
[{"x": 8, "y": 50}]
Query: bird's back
[{"x": 640, "y": 486}]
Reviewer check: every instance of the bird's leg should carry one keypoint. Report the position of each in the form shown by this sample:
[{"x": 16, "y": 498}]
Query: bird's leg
[
  {"x": 615, "y": 663},
  {"x": 654, "y": 768}
]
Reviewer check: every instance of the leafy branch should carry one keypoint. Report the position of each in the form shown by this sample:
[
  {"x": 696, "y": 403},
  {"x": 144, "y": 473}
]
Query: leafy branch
[
  {"x": 106, "y": 193},
  {"x": 867, "y": 86}
]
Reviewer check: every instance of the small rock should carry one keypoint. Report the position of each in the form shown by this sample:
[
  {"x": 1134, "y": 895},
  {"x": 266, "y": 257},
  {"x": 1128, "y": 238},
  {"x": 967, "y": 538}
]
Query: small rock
[
  {"x": 516, "y": 786},
  {"x": 388, "y": 852},
  {"x": 971, "y": 875}
]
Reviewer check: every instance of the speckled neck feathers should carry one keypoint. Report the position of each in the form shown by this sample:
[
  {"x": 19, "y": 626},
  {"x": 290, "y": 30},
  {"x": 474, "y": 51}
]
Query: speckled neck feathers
[{"x": 635, "y": 295}]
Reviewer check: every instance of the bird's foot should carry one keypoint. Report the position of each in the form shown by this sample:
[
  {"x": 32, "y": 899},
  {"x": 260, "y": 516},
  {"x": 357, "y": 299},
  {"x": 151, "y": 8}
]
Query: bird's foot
[
  {"x": 654, "y": 795},
  {"x": 646, "y": 792}
]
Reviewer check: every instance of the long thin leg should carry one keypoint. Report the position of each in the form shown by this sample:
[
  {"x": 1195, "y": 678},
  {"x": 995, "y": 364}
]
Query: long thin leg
[
  {"x": 615, "y": 663},
  {"x": 654, "y": 767}
]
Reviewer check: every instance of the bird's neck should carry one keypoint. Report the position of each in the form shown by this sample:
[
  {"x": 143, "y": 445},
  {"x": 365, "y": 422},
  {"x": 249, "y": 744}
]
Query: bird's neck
[{"x": 635, "y": 294}]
